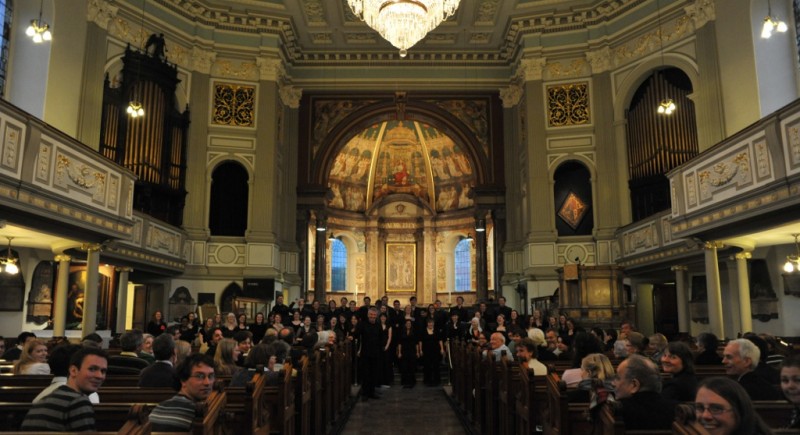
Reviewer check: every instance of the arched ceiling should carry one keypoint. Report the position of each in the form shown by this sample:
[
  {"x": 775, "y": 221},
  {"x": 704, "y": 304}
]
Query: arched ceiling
[{"x": 401, "y": 157}]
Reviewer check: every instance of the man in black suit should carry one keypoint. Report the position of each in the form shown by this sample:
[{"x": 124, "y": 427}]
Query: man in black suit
[
  {"x": 638, "y": 390},
  {"x": 131, "y": 344},
  {"x": 281, "y": 308},
  {"x": 459, "y": 308},
  {"x": 369, "y": 354},
  {"x": 740, "y": 359},
  {"x": 364, "y": 309},
  {"x": 162, "y": 372},
  {"x": 503, "y": 309}
]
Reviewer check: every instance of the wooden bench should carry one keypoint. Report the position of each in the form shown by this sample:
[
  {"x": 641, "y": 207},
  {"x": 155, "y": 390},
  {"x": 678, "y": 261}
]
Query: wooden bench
[
  {"x": 280, "y": 401},
  {"x": 7, "y": 379}
]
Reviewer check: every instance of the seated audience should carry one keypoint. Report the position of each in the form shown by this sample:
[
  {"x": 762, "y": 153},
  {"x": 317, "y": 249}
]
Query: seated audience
[
  {"x": 67, "y": 408},
  {"x": 226, "y": 356},
  {"x": 723, "y": 407},
  {"x": 497, "y": 345},
  {"x": 556, "y": 347},
  {"x": 14, "y": 353},
  {"x": 741, "y": 358},
  {"x": 94, "y": 339},
  {"x": 583, "y": 344},
  {"x": 216, "y": 336},
  {"x": 609, "y": 339},
  {"x": 636, "y": 343},
  {"x": 765, "y": 371},
  {"x": 59, "y": 367},
  {"x": 638, "y": 389},
  {"x": 196, "y": 375},
  {"x": 790, "y": 384},
  {"x": 33, "y": 360},
  {"x": 527, "y": 352},
  {"x": 261, "y": 355},
  {"x": 146, "y": 353},
  {"x": 244, "y": 341},
  {"x": 656, "y": 345},
  {"x": 130, "y": 343},
  {"x": 596, "y": 383},
  {"x": 775, "y": 354},
  {"x": 707, "y": 346},
  {"x": 678, "y": 361},
  {"x": 543, "y": 352},
  {"x": 182, "y": 350},
  {"x": 162, "y": 372}
]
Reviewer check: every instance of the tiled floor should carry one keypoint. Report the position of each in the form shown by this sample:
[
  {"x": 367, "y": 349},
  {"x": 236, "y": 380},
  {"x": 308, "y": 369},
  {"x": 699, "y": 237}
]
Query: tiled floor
[{"x": 401, "y": 411}]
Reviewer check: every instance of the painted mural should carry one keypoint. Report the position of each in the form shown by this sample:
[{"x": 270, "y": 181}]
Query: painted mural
[{"x": 401, "y": 157}]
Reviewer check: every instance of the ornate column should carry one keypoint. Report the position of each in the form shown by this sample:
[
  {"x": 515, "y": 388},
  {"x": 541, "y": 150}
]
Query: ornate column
[
  {"x": 122, "y": 298},
  {"x": 683, "y": 300},
  {"x": 715, "y": 320},
  {"x": 320, "y": 261},
  {"x": 481, "y": 276},
  {"x": 744, "y": 291},
  {"x": 62, "y": 281},
  {"x": 499, "y": 220},
  {"x": 90, "y": 294}
]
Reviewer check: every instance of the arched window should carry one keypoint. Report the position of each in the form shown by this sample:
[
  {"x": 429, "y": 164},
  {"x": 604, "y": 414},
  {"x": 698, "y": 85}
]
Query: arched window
[
  {"x": 463, "y": 266},
  {"x": 338, "y": 266},
  {"x": 6, "y": 13},
  {"x": 227, "y": 212}
]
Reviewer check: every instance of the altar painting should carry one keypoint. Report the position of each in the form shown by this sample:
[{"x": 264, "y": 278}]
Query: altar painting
[{"x": 401, "y": 267}]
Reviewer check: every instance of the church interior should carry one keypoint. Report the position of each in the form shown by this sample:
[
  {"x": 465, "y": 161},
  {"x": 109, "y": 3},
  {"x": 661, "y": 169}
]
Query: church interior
[{"x": 284, "y": 147}]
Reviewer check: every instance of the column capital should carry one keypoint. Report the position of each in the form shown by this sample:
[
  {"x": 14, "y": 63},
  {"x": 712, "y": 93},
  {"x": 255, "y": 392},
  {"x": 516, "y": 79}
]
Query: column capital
[
  {"x": 125, "y": 269},
  {"x": 713, "y": 245},
  {"x": 62, "y": 257},
  {"x": 91, "y": 247},
  {"x": 679, "y": 268},
  {"x": 743, "y": 256}
]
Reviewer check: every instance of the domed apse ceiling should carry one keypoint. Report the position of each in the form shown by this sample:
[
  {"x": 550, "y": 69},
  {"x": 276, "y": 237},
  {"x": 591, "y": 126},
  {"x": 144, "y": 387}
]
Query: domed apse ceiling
[{"x": 401, "y": 157}]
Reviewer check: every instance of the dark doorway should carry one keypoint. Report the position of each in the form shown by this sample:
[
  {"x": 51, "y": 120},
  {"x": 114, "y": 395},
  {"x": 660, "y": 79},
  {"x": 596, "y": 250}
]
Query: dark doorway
[{"x": 665, "y": 309}]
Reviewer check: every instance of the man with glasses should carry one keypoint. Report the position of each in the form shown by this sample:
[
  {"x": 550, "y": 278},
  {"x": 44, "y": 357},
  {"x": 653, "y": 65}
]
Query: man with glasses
[{"x": 196, "y": 374}]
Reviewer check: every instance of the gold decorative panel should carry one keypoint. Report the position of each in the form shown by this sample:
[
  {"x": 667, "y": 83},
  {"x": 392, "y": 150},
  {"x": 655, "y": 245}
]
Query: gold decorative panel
[
  {"x": 234, "y": 105},
  {"x": 568, "y": 104},
  {"x": 401, "y": 263}
]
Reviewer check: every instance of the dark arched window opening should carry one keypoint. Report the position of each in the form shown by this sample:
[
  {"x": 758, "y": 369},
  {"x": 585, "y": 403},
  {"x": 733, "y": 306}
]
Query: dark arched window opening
[
  {"x": 573, "y": 200},
  {"x": 658, "y": 143},
  {"x": 229, "y": 195}
]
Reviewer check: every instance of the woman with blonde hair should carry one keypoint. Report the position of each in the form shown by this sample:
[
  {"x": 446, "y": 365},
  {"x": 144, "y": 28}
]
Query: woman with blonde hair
[
  {"x": 597, "y": 373},
  {"x": 230, "y": 326},
  {"x": 225, "y": 357},
  {"x": 182, "y": 350},
  {"x": 33, "y": 360}
]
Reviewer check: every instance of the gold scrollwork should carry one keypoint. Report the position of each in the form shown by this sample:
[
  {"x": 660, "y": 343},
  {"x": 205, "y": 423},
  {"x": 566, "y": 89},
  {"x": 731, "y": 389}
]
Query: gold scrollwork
[
  {"x": 234, "y": 105},
  {"x": 568, "y": 104}
]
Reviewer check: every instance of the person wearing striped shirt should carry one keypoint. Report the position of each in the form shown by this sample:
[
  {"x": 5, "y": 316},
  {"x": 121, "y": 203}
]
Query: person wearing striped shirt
[
  {"x": 196, "y": 374},
  {"x": 67, "y": 408}
]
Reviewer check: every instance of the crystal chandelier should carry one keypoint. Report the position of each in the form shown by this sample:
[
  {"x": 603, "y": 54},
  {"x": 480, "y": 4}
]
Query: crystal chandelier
[{"x": 403, "y": 22}]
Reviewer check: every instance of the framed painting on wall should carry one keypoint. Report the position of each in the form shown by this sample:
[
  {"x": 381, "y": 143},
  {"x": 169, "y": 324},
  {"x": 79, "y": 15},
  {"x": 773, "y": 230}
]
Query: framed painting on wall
[{"x": 401, "y": 264}]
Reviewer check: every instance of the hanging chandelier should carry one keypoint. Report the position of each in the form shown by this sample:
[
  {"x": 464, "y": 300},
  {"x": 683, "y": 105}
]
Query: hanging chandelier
[
  {"x": 39, "y": 31},
  {"x": 403, "y": 22}
]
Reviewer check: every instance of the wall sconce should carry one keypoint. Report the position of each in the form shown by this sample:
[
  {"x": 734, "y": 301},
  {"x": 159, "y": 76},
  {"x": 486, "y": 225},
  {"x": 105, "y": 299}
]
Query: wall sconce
[
  {"x": 480, "y": 225},
  {"x": 39, "y": 31},
  {"x": 331, "y": 237},
  {"x": 468, "y": 237},
  {"x": 793, "y": 261},
  {"x": 322, "y": 225},
  {"x": 8, "y": 264},
  {"x": 772, "y": 23}
]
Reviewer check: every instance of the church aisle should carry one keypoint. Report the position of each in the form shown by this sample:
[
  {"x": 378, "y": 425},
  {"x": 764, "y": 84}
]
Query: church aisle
[{"x": 402, "y": 411}]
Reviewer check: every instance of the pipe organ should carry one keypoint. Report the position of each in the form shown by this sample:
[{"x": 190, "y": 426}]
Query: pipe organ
[
  {"x": 152, "y": 146},
  {"x": 657, "y": 143}
]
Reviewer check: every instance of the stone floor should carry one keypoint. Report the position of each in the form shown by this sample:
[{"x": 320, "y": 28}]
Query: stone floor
[{"x": 401, "y": 411}]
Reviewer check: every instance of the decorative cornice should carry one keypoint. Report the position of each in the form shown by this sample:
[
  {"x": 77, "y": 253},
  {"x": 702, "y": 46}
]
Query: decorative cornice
[
  {"x": 600, "y": 60},
  {"x": 123, "y": 269},
  {"x": 91, "y": 247},
  {"x": 290, "y": 96},
  {"x": 679, "y": 268},
  {"x": 511, "y": 95},
  {"x": 202, "y": 60},
  {"x": 531, "y": 69},
  {"x": 270, "y": 69},
  {"x": 101, "y": 12},
  {"x": 713, "y": 245},
  {"x": 701, "y": 12},
  {"x": 743, "y": 256},
  {"x": 62, "y": 258}
]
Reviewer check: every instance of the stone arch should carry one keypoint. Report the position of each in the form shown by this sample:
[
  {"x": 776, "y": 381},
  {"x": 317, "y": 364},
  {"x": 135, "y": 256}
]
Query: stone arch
[{"x": 226, "y": 298}]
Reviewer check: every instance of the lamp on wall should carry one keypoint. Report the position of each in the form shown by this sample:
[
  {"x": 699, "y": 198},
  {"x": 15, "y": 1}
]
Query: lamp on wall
[
  {"x": 667, "y": 106},
  {"x": 793, "y": 261},
  {"x": 331, "y": 237},
  {"x": 403, "y": 22},
  {"x": 39, "y": 31},
  {"x": 8, "y": 264},
  {"x": 772, "y": 24},
  {"x": 135, "y": 108},
  {"x": 480, "y": 225},
  {"x": 468, "y": 237}
]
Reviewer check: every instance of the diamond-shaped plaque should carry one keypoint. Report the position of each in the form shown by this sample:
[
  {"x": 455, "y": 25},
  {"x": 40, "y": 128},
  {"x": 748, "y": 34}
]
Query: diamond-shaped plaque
[{"x": 573, "y": 210}]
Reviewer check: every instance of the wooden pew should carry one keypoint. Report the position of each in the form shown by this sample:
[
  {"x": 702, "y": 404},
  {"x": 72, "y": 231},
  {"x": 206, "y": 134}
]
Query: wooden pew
[
  {"x": 7, "y": 379},
  {"x": 109, "y": 417},
  {"x": 479, "y": 385},
  {"x": 302, "y": 400},
  {"x": 507, "y": 392},
  {"x": 246, "y": 407},
  {"x": 211, "y": 418},
  {"x": 317, "y": 422},
  {"x": 490, "y": 372},
  {"x": 563, "y": 417},
  {"x": 280, "y": 401}
]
